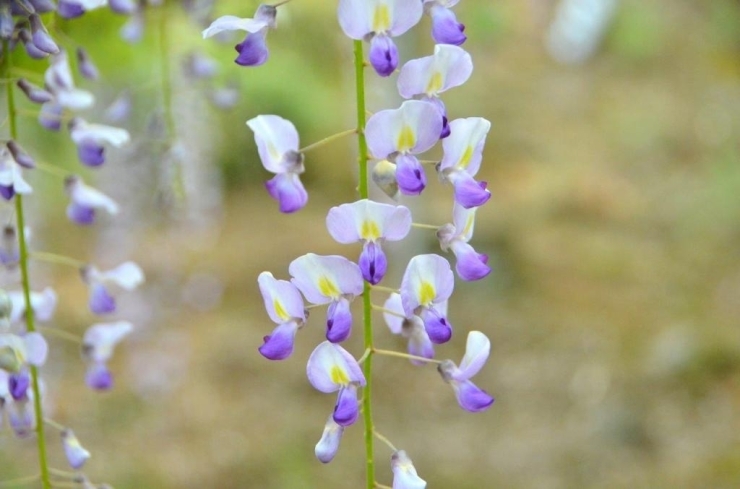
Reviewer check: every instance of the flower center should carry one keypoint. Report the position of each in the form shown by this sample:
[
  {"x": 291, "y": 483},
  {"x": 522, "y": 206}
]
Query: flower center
[
  {"x": 406, "y": 139},
  {"x": 465, "y": 158},
  {"x": 435, "y": 83},
  {"x": 328, "y": 287},
  {"x": 279, "y": 310},
  {"x": 381, "y": 18},
  {"x": 426, "y": 293},
  {"x": 338, "y": 376},
  {"x": 370, "y": 231}
]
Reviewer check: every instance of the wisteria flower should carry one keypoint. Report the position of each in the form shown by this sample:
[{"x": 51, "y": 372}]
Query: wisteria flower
[
  {"x": 73, "y": 450},
  {"x": 17, "y": 352},
  {"x": 19, "y": 405},
  {"x": 445, "y": 27},
  {"x": 332, "y": 280},
  {"x": 43, "y": 304},
  {"x": 410, "y": 327},
  {"x": 70, "y": 9},
  {"x": 426, "y": 78},
  {"x": 277, "y": 144},
  {"x": 404, "y": 472},
  {"x": 469, "y": 396},
  {"x": 399, "y": 134},
  {"x": 59, "y": 81},
  {"x": 90, "y": 139},
  {"x": 372, "y": 223},
  {"x": 331, "y": 368},
  {"x": 126, "y": 276},
  {"x": 470, "y": 265},
  {"x": 377, "y": 21},
  {"x": 85, "y": 201},
  {"x": 40, "y": 36},
  {"x": 427, "y": 283},
  {"x": 97, "y": 348},
  {"x": 11, "y": 176},
  {"x": 328, "y": 446},
  {"x": 463, "y": 153},
  {"x": 253, "y": 49},
  {"x": 284, "y": 305}
]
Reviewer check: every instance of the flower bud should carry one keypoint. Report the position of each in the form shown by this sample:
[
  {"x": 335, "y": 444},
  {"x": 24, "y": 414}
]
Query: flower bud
[
  {"x": 35, "y": 94},
  {"x": 20, "y": 156},
  {"x": 86, "y": 66},
  {"x": 73, "y": 450},
  {"x": 384, "y": 176}
]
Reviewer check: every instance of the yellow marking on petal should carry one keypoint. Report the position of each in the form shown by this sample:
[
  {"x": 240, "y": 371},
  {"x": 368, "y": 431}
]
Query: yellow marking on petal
[
  {"x": 381, "y": 18},
  {"x": 435, "y": 83},
  {"x": 274, "y": 153},
  {"x": 426, "y": 293},
  {"x": 370, "y": 231},
  {"x": 338, "y": 376},
  {"x": 328, "y": 287},
  {"x": 406, "y": 139},
  {"x": 469, "y": 223},
  {"x": 280, "y": 310},
  {"x": 465, "y": 158}
]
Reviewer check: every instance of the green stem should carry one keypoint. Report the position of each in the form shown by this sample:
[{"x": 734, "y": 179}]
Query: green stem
[
  {"x": 327, "y": 140},
  {"x": 23, "y": 246},
  {"x": 367, "y": 309}
]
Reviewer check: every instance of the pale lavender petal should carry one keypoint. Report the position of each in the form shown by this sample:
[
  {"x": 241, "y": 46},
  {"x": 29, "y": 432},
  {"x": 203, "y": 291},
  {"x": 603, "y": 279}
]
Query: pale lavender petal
[
  {"x": 43, "y": 6},
  {"x": 383, "y": 55},
  {"x": 328, "y": 445},
  {"x": 338, "y": 321},
  {"x": 69, "y": 10},
  {"x": 397, "y": 224},
  {"x": 428, "y": 280},
  {"x": 86, "y": 66},
  {"x": 323, "y": 279},
  {"x": 463, "y": 150},
  {"x": 470, "y": 265},
  {"x": 471, "y": 397},
  {"x": 420, "y": 344},
  {"x": 100, "y": 301},
  {"x": 410, "y": 175},
  {"x": 437, "y": 326},
  {"x": 274, "y": 136},
  {"x": 404, "y": 472},
  {"x": 233, "y": 23},
  {"x": 127, "y": 275},
  {"x": 98, "y": 377},
  {"x": 253, "y": 49},
  {"x": 355, "y": 18},
  {"x": 445, "y": 27},
  {"x": 477, "y": 349},
  {"x": 346, "y": 410},
  {"x": 330, "y": 367},
  {"x": 342, "y": 223},
  {"x": 464, "y": 221},
  {"x": 283, "y": 300},
  {"x": 405, "y": 15},
  {"x": 36, "y": 348},
  {"x": 133, "y": 30},
  {"x": 50, "y": 116},
  {"x": 289, "y": 191},
  {"x": 100, "y": 340},
  {"x": 73, "y": 450},
  {"x": 123, "y": 7},
  {"x": 21, "y": 418},
  {"x": 41, "y": 38},
  {"x": 34, "y": 93},
  {"x": 279, "y": 344},
  {"x": 395, "y": 317}
]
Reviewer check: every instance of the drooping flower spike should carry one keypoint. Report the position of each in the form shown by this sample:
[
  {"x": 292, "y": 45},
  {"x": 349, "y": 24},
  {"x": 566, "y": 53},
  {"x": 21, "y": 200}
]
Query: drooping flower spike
[
  {"x": 277, "y": 144},
  {"x": 328, "y": 446},
  {"x": 463, "y": 153},
  {"x": 428, "y": 283},
  {"x": 470, "y": 265},
  {"x": 253, "y": 49},
  {"x": 90, "y": 139},
  {"x": 377, "y": 21},
  {"x": 411, "y": 327},
  {"x": 85, "y": 201},
  {"x": 126, "y": 276},
  {"x": 372, "y": 223},
  {"x": 332, "y": 280},
  {"x": 404, "y": 472},
  {"x": 284, "y": 305},
  {"x": 445, "y": 27},
  {"x": 97, "y": 348},
  {"x": 331, "y": 368},
  {"x": 426, "y": 78},
  {"x": 398, "y": 134},
  {"x": 469, "y": 396}
]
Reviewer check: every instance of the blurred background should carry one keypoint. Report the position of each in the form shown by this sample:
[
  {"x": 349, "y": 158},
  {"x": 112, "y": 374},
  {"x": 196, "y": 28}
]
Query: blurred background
[{"x": 614, "y": 231}]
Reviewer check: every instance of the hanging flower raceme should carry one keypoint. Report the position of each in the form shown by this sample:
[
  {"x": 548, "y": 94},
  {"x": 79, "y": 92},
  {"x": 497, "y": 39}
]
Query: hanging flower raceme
[
  {"x": 426, "y": 78},
  {"x": 404, "y": 472},
  {"x": 428, "y": 283},
  {"x": 284, "y": 305},
  {"x": 411, "y": 327},
  {"x": 126, "y": 276},
  {"x": 470, "y": 265},
  {"x": 445, "y": 27},
  {"x": 372, "y": 223},
  {"x": 11, "y": 176},
  {"x": 90, "y": 139},
  {"x": 277, "y": 144},
  {"x": 330, "y": 369},
  {"x": 97, "y": 348},
  {"x": 463, "y": 153},
  {"x": 399, "y": 134},
  {"x": 377, "y": 21},
  {"x": 253, "y": 49},
  {"x": 469, "y": 396},
  {"x": 85, "y": 201},
  {"x": 328, "y": 446},
  {"x": 332, "y": 280}
]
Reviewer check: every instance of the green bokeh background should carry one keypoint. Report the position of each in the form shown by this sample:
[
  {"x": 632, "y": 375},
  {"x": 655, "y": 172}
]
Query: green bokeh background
[{"x": 614, "y": 233}]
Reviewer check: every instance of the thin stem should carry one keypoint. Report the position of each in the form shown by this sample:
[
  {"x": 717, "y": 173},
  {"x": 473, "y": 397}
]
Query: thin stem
[
  {"x": 367, "y": 310},
  {"x": 60, "y": 333},
  {"x": 385, "y": 440},
  {"x": 56, "y": 259},
  {"x": 388, "y": 311},
  {"x": 327, "y": 140},
  {"x": 381, "y": 288},
  {"x": 52, "y": 170},
  {"x": 19, "y": 481},
  {"x": 398, "y": 354},
  {"x": 424, "y": 226},
  {"x": 54, "y": 424},
  {"x": 26, "y": 284}
]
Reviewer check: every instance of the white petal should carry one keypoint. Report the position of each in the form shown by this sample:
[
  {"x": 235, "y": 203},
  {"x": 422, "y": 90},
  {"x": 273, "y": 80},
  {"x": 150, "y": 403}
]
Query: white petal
[
  {"x": 75, "y": 99},
  {"x": 330, "y": 367},
  {"x": 127, "y": 275},
  {"x": 90, "y": 197},
  {"x": 101, "y": 338},
  {"x": 463, "y": 149},
  {"x": 274, "y": 137},
  {"x": 395, "y": 316},
  {"x": 323, "y": 279},
  {"x": 477, "y": 349},
  {"x": 283, "y": 301},
  {"x": 233, "y": 23},
  {"x": 464, "y": 221}
]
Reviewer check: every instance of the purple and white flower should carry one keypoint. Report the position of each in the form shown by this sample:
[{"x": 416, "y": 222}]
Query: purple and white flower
[
  {"x": 97, "y": 348},
  {"x": 19, "y": 351},
  {"x": 463, "y": 153},
  {"x": 73, "y": 450},
  {"x": 404, "y": 472},
  {"x": 469, "y": 396},
  {"x": 445, "y": 27},
  {"x": 331, "y": 368},
  {"x": 284, "y": 305},
  {"x": 332, "y": 280},
  {"x": 253, "y": 49},
  {"x": 328, "y": 446},
  {"x": 377, "y": 21},
  {"x": 11, "y": 176},
  {"x": 372, "y": 223},
  {"x": 470, "y": 265},
  {"x": 427, "y": 284},
  {"x": 126, "y": 276},
  {"x": 90, "y": 139},
  {"x": 277, "y": 144},
  {"x": 85, "y": 201},
  {"x": 410, "y": 327},
  {"x": 399, "y": 134},
  {"x": 43, "y": 304},
  {"x": 59, "y": 81}
]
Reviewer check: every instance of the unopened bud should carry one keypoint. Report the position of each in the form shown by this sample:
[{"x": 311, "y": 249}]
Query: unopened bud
[
  {"x": 35, "y": 94},
  {"x": 86, "y": 66},
  {"x": 20, "y": 156},
  {"x": 384, "y": 176}
]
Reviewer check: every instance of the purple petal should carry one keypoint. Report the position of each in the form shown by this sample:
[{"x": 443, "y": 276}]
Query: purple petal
[
  {"x": 445, "y": 27},
  {"x": 91, "y": 153},
  {"x": 98, "y": 377},
  {"x": 123, "y": 7},
  {"x": 346, "y": 410},
  {"x": 469, "y": 192},
  {"x": 80, "y": 214},
  {"x": 50, "y": 116},
  {"x": 373, "y": 262},
  {"x": 69, "y": 10},
  {"x": 383, "y": 55},
  {"x": 7, "y": 192},
  {"x": 338, "y": 321},
  {"x": 470, "y": 264},
  {"x": 18, "y": 385},
  {"x": 279, "y": 344},
  {"x": 471, "y": 397},
  {"x": 437, "y": 327},
  {"x": 41, "y": 38},
  {"x": 101, "y": 302},
  {"x": 410, "y": 175},
  {"x": 253, "y": 49},
  {"x": 35, "y": 94},
  {"x": 288, "y": 190},
  {"x": 43, "y": 6}
]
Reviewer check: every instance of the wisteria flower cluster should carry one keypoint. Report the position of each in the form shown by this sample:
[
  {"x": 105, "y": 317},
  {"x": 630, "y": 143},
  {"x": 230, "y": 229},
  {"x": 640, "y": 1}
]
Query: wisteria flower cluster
[
  {"x": 27, "y": 315},
  {"x": 394, "y": 139}
]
